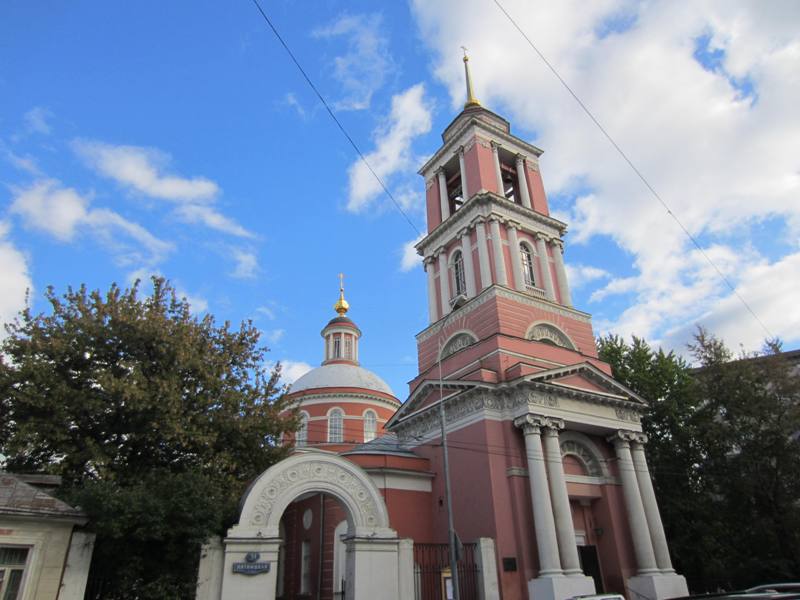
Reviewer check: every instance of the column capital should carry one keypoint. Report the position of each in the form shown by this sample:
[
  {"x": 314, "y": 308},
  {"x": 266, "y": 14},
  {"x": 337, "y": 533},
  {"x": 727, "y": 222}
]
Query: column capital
[
  {"x": 553, "y": 426},
  {"x": 521, "y": 158},
  {"x": 558, "y": 242},
  {"x": 495, "y": 144},
  {"x": 462, "y": 232},
  {"x": 540, "y": 235},
  {"x": 438, "y": 251},
  {"x": 497, "y": 218},
  {"x": 428, "y": 260},
  {"x": 533, "y": 423},
  {"x": 640, "y": 439},
  {"x": 513, "y": 225},
  {"x": 439, "y": 171},
  {"x": 623, "y": 437},
  {"x": 460, "y": 149}
]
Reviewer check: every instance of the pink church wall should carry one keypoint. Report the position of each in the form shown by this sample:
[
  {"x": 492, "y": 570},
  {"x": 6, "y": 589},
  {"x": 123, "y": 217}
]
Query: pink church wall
[
  {"x": 479, "y": 163},
  {"x": 536, "y": 187},
  {"x": 434, "y": 209}
]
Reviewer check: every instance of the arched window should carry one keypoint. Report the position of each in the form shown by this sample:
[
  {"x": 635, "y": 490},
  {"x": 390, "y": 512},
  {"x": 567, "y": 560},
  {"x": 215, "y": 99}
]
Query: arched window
[
  {"x": 527, "y": 265},
  {"x": 459, "y": 282},
  {"x": 336, "y": 425},
  {"x": 370, "y": 425},
  {"x": 302, "y": 433}
]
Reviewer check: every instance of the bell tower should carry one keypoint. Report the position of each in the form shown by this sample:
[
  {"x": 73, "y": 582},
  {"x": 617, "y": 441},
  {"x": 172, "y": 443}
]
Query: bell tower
[{"x": 494, "y": 256}]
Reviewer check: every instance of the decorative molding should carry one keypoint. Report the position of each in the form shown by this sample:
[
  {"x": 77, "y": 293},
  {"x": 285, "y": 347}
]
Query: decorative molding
[
  {"x": 584, "y": 455},
  {"x": 311, "y": 471},
  {"x": 544, "y": 332},
  {"x": 458, "y": 341},
  {"x": 505, "y": 402}
]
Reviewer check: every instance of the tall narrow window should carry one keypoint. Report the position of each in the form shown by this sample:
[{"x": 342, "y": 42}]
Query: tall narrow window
[
  {"x": 527, "y": 265},
  {"x": 335, "y": 425},
  {"x": 337, "y": 346},
  {"x": 12, "y": 567},
  {"x": 459, "y": 283},
  {"x": 348, "y": 347},
  {"x": 305, "y": 567},
  {"x": 302, "y": 433},
  {"x": 370, "y": 425}
]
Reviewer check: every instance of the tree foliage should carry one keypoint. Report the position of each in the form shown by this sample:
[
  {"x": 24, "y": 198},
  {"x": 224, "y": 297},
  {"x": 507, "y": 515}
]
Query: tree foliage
[
  {"x": 155, "y": 420},
  {"x": 724, "y": 452}
]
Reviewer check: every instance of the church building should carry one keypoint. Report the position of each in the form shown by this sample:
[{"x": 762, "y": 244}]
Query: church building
[{"x": 551, "y": 493}]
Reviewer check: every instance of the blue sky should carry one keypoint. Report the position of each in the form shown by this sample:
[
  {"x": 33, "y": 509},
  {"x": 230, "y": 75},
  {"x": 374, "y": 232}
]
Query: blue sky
[{"x": 177, "y": 138}]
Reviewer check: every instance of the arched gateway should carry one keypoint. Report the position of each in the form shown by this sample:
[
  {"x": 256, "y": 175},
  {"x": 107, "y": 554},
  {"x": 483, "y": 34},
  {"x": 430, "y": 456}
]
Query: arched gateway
[{"x": 372, "y": 546}]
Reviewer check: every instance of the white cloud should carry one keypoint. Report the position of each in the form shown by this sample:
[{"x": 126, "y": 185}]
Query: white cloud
[
  {"x": 60, "y": 211},
  {"x": 717, "y": 141},
  {"x": 579, "y": 275},
  {"x": 47, "y": 206},
  {"x": 197, "y": 303},
  {"x": 293, "y": 370},
  {"x": 24, "y": 163},
  {"x": 211, "y": 218},
  {"x": 410, "y": 259},
  {"x": 267, "y": 312},
  {"x": 15, "y": 279},
  {"x": 36, "y": 120},
  {"x": 291, "y": 101},
  {"x": 246, "y": 264},
  {"x": 273, "y": 336},
  {"x": 363, "y": 68},
  {"x": 410, "y": 117},
  {"x": 141, "y": 169}
]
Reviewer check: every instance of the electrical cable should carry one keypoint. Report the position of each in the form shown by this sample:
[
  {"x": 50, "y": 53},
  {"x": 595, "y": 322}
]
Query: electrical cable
[
  {"x": 644, "y": 180},
  {"x": 334, "y": 117}
]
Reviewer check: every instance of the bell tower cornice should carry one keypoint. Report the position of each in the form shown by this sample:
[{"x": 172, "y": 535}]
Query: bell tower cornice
[{"x": 481, "y": 208}]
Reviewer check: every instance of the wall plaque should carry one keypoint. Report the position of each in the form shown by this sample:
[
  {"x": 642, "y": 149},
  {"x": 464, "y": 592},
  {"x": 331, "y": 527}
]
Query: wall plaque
[{"x": 251, "y": 565}]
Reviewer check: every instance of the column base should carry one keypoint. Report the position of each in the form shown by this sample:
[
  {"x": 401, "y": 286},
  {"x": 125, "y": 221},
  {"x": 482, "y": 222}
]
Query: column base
[
  {"x": 560, "y": 587},
  {"x": 657, "y": 586}
]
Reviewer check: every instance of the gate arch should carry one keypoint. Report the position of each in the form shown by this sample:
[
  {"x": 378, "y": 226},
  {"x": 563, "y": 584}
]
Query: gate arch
[{"x": 372, "y": 546}]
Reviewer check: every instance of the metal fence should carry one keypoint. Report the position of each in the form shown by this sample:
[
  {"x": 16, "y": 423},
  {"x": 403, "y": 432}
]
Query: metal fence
[{"x": 432, "y": 564}]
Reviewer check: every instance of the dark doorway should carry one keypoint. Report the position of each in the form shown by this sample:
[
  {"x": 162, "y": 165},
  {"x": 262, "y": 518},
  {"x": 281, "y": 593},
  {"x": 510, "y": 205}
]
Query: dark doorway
[{"x": 590, "y": 564}]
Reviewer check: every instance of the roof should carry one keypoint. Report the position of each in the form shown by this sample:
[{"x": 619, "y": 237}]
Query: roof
[
  {"x": 387, "y": 443},
  {"x": 341, "y": 376},
  {"x": 22, "y": 499}
]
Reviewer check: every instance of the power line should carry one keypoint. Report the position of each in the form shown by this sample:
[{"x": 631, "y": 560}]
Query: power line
[
  {"x": 334, "y": 117},
  {"x": 635, "y": 169}
]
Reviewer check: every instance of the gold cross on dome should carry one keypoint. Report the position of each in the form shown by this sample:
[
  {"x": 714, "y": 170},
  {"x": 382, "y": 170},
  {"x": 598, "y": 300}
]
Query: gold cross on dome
[{"x": 341, "y": 282}]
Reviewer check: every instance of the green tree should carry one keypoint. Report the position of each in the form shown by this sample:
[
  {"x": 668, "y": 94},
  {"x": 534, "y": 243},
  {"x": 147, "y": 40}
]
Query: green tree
[
  {"x": 724, "y": 456},
  {"x": 155, "y": 419}
]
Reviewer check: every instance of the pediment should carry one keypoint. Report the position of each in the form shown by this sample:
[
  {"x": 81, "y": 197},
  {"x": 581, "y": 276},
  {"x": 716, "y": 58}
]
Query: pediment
[{"x": 586, "y": 377}]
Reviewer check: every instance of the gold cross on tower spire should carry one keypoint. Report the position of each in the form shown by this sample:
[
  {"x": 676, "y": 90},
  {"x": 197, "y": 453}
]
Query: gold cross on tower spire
[
  {"x": 341, "y": 305},
  {"x": 471, "y": 99}
]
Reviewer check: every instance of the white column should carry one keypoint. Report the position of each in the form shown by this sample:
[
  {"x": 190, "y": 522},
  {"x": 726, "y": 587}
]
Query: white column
[
  {"x": 469, "y": 269},
  {"x": 463, "y": 168},
  {"x": 516, "y": 257},
  {"x": 497, "y": 249},
  {"x": 565, "y": 531},
  {"x": 444, "y": 202},
  {"x": 444, "y": 283},
  {"x": 642, "y": 544},
  {"x": 483, "y": 255},
  {"x": 549, "y": 562},
  {"x": 650, "y": 505},
  {"x": 497, "y": 172},
  {"x": 522, "y": 182},
  {"x": 561, "y": 272},
  {"x": 544, "y": 264},
  {"x": 429, "y": 269}
]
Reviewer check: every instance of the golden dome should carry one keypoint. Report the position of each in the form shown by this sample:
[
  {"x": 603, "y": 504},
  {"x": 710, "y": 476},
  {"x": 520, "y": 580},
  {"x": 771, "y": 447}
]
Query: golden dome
[{"x": 341, "y": 305}]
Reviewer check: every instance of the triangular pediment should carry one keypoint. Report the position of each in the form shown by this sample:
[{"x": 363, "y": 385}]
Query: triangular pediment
[{"x": 586, "y": 377}]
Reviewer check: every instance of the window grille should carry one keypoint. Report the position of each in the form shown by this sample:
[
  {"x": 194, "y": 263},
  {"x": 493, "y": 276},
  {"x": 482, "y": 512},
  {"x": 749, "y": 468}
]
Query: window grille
[
  {"x": 12, "y": 567},
  {"x": 459, "y": 281},
  {"x": 527, "y": 265},
  {"x": 335, "y": 425},
  {"x": 370, "y": 425},
  {"x": 302, "y": 433},
  {"x": 337, "y": 346}
]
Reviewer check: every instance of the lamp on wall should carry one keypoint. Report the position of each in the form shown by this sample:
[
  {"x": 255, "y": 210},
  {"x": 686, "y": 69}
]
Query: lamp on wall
[{"x": 598, "y": 531}]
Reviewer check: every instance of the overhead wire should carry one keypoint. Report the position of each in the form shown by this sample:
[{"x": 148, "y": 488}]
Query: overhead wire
[
  {"x": 630, "y": 163},
  {"x": 334, "y": 117}
]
